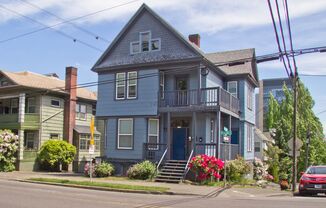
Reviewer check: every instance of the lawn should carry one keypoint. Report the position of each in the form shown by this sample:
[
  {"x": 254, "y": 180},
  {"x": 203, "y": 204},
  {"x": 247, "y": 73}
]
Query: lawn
[{"x": 102, "y": 184}]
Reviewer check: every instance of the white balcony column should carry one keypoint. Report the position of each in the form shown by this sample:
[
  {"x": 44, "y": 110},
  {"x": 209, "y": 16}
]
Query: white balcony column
[
  {"x": 194, "y": 128},
  {"x": 20, "y": 144},
  {"x": 169, "y": 135},
  {"x": 21, "y": 112},
  {"x": 218, "y": 133}
]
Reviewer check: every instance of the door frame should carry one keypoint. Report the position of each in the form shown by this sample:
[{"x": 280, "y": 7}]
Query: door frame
[{"x": 185, "y": 146}]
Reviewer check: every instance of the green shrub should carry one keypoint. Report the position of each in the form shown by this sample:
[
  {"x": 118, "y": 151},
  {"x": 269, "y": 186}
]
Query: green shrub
[
  {"x": 237, "y": 169},
  {"x": 8, "y": 148},
  {"x": 144, "y": 170},
  {"x": 54, "y": 152},
  {"x": 104, "y": 169}
]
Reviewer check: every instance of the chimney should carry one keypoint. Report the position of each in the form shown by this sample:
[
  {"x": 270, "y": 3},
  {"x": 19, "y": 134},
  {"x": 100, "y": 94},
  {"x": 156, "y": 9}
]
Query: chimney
[
  {"x": 70, "y": 103},
  {"x": 195, "y": 38}
]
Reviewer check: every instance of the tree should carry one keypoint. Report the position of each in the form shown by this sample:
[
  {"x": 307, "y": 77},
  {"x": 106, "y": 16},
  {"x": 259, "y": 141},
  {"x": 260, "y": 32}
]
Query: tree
[
  {"x": 8, "y": 148},
  {"x": 280, "y": 117},
  {"x": 56, "y": 152}
]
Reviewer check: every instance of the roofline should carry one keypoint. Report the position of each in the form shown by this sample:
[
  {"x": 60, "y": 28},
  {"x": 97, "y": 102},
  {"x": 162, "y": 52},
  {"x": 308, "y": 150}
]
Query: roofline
[{"x": 129, "y": 23}]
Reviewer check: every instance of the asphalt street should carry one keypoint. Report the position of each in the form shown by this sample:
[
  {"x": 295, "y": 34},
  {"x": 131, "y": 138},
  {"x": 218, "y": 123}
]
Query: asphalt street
[{"x": 25, "y": 195}]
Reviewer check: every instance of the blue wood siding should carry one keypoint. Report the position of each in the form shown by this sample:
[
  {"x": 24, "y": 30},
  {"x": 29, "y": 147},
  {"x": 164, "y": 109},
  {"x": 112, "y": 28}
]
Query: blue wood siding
[
  {"x": 213, "y": 80},
  {"x": 246, "y": 113},
  {"x": 145, "y": 104},
  {"x": 139, "y": 138},
  {"x": 172, "y": 48}
]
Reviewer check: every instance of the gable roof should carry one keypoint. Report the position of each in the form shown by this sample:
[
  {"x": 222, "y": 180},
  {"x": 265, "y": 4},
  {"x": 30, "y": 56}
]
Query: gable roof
[
  {"x": 246, "y": 56},
  {"x": 39, "y": 81},
  {"x": 133, "y": 19}
]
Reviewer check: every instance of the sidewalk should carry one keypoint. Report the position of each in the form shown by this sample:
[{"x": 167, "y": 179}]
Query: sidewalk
[{"x": 179, "y": 189}]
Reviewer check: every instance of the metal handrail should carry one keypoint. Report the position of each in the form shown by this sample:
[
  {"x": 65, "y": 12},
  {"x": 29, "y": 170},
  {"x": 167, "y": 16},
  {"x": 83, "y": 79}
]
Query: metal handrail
[
  {"x": 187, "y": 168},
  {"x": 159, "y": 163}
]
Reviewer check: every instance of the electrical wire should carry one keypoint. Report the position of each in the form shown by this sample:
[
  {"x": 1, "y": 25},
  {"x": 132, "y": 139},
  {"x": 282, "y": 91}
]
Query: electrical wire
[
  {"x": 70, "y": 23},
  {"x": 58, "y": 31},
  {"x": 67, "y": 21},
  {"x": 277, "y": 38}
]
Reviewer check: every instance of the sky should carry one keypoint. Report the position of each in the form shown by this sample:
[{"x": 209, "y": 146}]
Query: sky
[{"x": 222, "y": 25}]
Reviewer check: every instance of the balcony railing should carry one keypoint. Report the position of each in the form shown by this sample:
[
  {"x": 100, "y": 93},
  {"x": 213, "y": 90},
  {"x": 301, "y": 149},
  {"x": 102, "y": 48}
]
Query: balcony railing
[
  {"x": 207, "y": 97},
  {"x": 153, "y": 151},
  {"x": 228, "y": 151}
]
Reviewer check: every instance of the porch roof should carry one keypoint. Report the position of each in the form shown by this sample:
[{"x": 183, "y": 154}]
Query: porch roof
[{"x": 85, "y": 130}]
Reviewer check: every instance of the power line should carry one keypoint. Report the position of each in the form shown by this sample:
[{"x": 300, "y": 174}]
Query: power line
[
  {"x": 277, "y": 38},
  {"x": 71, "y": 23},
  {"x": 65, "y": 22},
  {"x": 58, "y": 31}
]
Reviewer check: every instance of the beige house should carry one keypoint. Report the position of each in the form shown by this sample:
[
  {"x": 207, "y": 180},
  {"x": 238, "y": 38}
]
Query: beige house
[{"x": 41, "y": 107}]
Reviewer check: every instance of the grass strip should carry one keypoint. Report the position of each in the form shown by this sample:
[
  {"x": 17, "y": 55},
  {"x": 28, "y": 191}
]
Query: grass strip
[{"x": 102, "y": 184}]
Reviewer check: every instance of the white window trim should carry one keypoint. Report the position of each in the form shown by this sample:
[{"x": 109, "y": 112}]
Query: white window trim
[
  {"x": 236, "y": 88},
  {"x": 157, "y": 133},
  {"x": 250, "y": 97},
  {"x": 78, "y": 111},
  {"x": 116, "y": 86},
  {"x": 149, "y": 41},
  {"x": 128, "y": 85},
  {"x": 159, "y": 44},
  {"x": 134, "y": 42},
  {"x": 132, "y": 134},
  {"x": 56, "y": 106}
]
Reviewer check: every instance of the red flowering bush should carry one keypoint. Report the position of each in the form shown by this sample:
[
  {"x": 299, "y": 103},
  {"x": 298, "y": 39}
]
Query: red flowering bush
[{"x": 206, "y": 167}]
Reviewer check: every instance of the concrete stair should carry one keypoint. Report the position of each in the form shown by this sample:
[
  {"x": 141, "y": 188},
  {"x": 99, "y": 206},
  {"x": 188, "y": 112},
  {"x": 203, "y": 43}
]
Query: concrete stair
[{"x": 172, "y": 171}]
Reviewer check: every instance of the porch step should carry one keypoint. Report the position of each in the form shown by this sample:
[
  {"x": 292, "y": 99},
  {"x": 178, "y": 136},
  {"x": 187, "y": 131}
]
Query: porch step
[{"x": 172, "y": 171}]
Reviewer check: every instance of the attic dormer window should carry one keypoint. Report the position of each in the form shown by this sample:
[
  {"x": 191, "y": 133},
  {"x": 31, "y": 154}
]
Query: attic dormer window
[{"x": 145, "y": 43}]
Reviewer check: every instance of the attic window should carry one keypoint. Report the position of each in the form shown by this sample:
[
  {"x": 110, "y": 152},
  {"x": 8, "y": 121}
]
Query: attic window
[
  {"x": 145, "y": 43},
  {"x": 4, "y": 83}
]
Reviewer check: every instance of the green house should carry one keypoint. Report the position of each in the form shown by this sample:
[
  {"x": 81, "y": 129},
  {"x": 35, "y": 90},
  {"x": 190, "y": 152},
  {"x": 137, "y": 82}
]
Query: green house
[{"x": 41, "y": 107}]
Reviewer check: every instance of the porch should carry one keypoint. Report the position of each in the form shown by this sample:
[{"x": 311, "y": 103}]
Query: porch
[{"x": 186, "y": 134}]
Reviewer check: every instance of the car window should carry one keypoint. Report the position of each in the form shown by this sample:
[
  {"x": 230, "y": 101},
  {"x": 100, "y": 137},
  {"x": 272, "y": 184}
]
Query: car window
[{"x": 316, "y": 170}]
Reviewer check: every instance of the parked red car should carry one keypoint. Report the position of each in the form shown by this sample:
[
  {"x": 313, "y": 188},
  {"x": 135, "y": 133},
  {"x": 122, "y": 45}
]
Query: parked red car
[{"x": 313, "y": 181}]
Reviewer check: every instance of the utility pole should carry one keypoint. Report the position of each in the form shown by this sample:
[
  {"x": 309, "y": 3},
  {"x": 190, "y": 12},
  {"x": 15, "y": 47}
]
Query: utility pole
[
  {"x": 307, "y": 147},
  {"x": 295, "y": 106}
]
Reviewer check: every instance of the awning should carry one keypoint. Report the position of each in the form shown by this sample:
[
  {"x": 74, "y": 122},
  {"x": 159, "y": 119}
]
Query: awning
[{"x": 85, "y": 130}]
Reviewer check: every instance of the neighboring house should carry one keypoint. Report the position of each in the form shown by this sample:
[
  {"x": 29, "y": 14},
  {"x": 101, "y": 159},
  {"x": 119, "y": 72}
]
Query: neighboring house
[
  {"x": 42, "y": 107},
  {"x": 266, "y": 88},
  {"x": 159, "y": 92}
]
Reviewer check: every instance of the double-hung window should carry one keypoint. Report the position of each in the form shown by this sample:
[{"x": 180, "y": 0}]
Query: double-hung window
[
  {"x": 126, "y": 88},
  {"x": 232, "y": 88},
  {"x": 81, "y": 111},
  {"x": 249, "y": 138},
  {"x": 29, "y": 141},
  {"x": 31, "y": 105},
  {"x": 250, "y": 97},
  {"x": 125, "y": 133},
  {"x": 14, "y": 106},
  {"x": 120, "y": 86},
  {"x": 132, "y": 85},
  {"x": 153, "y": 133}
]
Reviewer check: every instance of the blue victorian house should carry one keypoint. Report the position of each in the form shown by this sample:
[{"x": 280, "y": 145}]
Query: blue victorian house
[{"x": 162, "y": 97}]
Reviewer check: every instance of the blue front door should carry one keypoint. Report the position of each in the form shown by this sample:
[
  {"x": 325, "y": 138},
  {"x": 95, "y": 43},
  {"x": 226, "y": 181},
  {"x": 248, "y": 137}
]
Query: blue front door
[{"x": 179, "y": 139}]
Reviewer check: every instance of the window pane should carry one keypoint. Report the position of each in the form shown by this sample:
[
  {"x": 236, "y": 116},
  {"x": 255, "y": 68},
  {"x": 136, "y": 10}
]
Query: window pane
[
  {"x": 132, "y": 91},
  {"x": 55, "y": 102},
  {"x": 135, "y": 47},
  {"x": 83, "y": 108},
  {"x": 145, "y": 41},
  {"x": 125, "y": 141},
  {"x": 155, "y": 44},
  {"x": 153, "y": 127},
  {"x": 132, "y": 78},
  {"x": 125, "y": 127},
  {"x": 77, "y": 107},
  {"x": 121, "y": 92}
]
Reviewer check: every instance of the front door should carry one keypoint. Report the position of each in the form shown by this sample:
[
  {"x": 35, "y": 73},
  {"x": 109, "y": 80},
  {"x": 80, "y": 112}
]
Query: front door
[{"x": 179, "y": 143}]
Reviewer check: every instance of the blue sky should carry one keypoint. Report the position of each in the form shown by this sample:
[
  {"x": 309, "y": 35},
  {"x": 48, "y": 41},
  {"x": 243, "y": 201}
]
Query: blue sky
[{"x": 222, "y": 24}]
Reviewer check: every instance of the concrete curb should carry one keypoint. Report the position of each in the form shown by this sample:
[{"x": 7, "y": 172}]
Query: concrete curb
[{"x": 106, "y": 189}]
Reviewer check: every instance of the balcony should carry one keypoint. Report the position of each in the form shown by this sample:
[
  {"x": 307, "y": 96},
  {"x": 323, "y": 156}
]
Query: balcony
[
  {"x": 10, "y": 121},
  {"x": 198, "y": 99}
]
